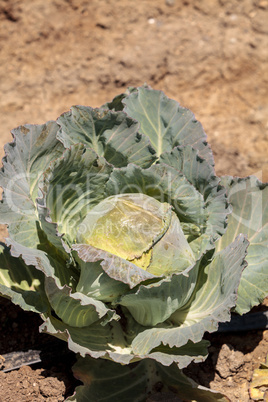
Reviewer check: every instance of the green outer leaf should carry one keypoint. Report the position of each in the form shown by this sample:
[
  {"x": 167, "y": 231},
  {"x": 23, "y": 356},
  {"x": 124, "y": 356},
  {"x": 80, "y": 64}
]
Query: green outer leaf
[
  {"x": 182, "y": 356},
  {"x": 112, "y": 342},
  {"x": 51, "y": 265},
  {"x": 211, "y": 301},
  {"x": 183, "y": 388},
  {"x": 94, "y": 282},
  {"x": 249, "y": 199},
  {"x": 51, "y": 231},
  {"x": 217, "y": 209},
  {"x": 111, "y": 382},
  {"x": 98, "y": 340},
  {"x": 23, "y": 284},
  {"x": 154, "y": 303},
  {"x": 76, "y": 309},
  {"x": 202, "y": 176},
  {"x": 72, "y": 185},
  {"x": 165, "y": 122},
  {"x": 112, "y": 135},
  {"x": 116, "y": 103},
  {"x": 197, "y": 170},
  {"x": 163, "y": 183},
  {"x": 33, "y": 148}
]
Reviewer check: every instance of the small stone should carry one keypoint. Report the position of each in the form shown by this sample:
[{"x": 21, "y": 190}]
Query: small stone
[
  {"x": 263, "y": 4},
  {"x": 170, "y": 2},
  {"x": 25, "y": 384},
  {"x": 229, "y": 361}
]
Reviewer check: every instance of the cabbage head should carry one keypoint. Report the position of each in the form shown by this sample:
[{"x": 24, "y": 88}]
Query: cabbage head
[{"x": 125, "y": 241}]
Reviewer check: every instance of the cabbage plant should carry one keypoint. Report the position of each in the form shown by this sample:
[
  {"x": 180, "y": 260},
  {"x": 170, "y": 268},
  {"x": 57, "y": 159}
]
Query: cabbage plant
[{"x": 128, "y": 245}]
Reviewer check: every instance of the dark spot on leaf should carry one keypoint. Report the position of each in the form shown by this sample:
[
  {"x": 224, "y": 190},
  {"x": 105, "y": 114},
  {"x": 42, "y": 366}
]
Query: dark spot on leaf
[
  {"x": 138, "y": 137},
  {"x": 43, "y": 136},
  {"x": 24, "y": 130},
  {"x": 152, "y": 150}
]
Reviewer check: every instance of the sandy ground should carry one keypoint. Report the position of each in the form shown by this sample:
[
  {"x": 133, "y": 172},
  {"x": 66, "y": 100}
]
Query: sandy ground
[{"x": 209, "y": 55}]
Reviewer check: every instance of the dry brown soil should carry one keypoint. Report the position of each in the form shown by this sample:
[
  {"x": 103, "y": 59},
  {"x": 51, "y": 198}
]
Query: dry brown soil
[{"x": 210, "y": 55}]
